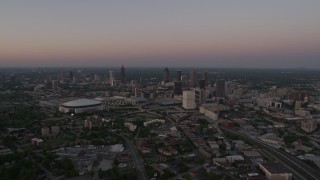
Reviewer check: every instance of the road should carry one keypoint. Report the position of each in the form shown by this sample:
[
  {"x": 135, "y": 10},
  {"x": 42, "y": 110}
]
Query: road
[
  {"x": 138, "y": 164},
  {"x": 292, "y": 161}
]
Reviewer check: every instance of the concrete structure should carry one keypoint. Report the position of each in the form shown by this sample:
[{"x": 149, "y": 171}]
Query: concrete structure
[
  {"x": 81, "y": 106},
  {"x": 309, "y": 125},
  {"x": 188, "y": 100},
  {"x": 275, "y": 172}
]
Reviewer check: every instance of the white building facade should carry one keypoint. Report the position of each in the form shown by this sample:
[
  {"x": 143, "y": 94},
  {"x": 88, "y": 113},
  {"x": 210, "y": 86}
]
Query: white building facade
[{"x": 188, "y": 100}]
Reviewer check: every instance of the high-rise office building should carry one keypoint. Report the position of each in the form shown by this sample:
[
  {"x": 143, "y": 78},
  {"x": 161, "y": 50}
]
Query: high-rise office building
[
  {"x": 188, "y": 100},
  {"x": 177, "y": 89},
  {"x": 201, "y": 84},
  {"x": 111, "y": 78},
  {"x": 220, "y": 88},
  {"x": 205, "y": 78},
  {"x": 122, "y": 75},
  {"x": 166, "y": 75},
  {"x": 200, "y": 96},
  {"x": 91, "y": 76},
  {"x": 55, "y": 84},
  {"x": 193, "y": 78},
  {"x": 179, "y": 75}
]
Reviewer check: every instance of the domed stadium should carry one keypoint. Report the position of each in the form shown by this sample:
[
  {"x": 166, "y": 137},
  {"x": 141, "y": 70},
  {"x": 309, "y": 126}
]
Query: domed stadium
[{"x": 81, "y": 106}]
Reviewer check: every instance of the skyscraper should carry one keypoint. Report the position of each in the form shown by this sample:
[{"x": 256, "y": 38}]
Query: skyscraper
[
  {"x": 177, "y": 89},
  {"x": 205, "y": 78},
  {"x": 193, "y": 78},
  {"x": 166, "y": 75},
  {"x": 220, "y": 88},
  {"x": 179, "y": 75},
  {"x": 122, "y": 75},
  {"x": 201, "y": 84},
  {"x": 111, "y": 77},
  {"x": 55, "y": 84}
]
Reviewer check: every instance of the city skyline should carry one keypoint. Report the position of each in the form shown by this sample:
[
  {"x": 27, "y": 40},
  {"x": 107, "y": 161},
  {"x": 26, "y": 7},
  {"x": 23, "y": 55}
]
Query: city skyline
[{"x": 249, "y": 34}]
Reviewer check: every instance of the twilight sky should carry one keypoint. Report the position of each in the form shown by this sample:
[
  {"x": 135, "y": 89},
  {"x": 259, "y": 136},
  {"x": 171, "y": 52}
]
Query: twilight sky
[{"x": 206, "y": 33}]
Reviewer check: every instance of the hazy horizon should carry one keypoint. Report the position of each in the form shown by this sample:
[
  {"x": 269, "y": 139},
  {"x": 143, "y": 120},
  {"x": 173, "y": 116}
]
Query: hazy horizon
[{"x": 246, "y": 34}]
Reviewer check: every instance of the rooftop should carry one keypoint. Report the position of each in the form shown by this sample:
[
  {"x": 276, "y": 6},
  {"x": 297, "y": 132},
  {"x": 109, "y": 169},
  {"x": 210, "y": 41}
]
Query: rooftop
[
  {"x": 275, "y": 168},
  {"x": 81, "y": 102}
]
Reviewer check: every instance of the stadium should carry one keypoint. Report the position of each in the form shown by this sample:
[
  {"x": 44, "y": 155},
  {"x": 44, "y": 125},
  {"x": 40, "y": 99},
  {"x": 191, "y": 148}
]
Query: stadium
[{"x": 81, "y": 106}]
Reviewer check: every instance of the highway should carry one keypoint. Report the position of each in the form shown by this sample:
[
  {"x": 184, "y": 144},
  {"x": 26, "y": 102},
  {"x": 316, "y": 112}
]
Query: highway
[
  {"x": 138, "y": 164},
  {"x": 292, "y": 161}
]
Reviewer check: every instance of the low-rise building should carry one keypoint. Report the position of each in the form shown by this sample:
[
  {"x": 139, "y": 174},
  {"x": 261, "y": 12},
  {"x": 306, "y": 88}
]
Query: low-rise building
[
  {"x": 275, "y": 172},
  {"x": 234, "y": 158},
  {"x": 154, "y": 121},
  {"x": 272, "y": 139},
  {"x": 302, "y": 113},
  {"x": 130, "y": 126},
  {"x": 45, "y": 131},
  {"x": 117, "y": 148},
  {"x": 136, "y": 100},
  {"x": 309, "y": 125},
  {"x": 55, "y": 130},
  {"x": 113, "y": 101},
  {"x": 36, "y": 141},
  {"x": 254, "y": 156},
  {"x": 168, "y": 152},
  {"x": 5, "y": 151}
]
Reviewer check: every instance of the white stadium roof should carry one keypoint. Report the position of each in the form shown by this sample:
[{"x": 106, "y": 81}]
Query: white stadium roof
[{"x": 81, "y": 103}]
